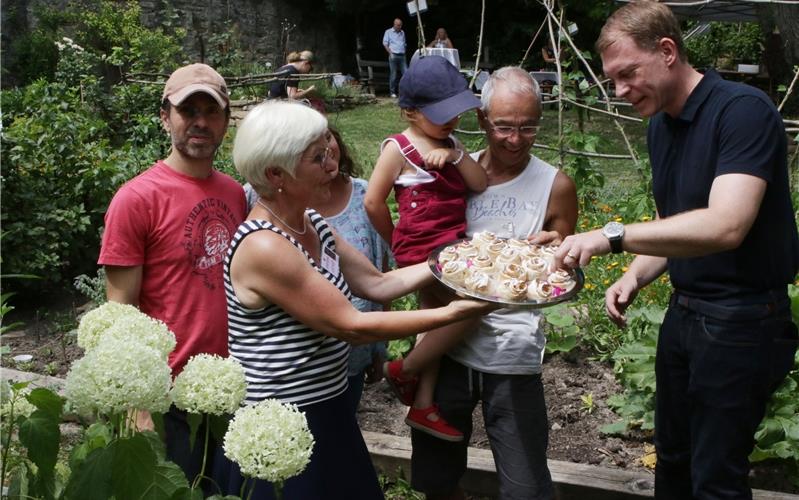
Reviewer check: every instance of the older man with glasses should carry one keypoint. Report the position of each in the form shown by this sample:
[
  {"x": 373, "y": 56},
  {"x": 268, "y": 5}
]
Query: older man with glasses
[{"x": 501, "y": 363}]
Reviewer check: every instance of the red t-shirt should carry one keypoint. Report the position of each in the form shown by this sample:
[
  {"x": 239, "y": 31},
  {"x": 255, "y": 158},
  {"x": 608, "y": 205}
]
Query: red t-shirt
[{"x": 178, "y": 228}]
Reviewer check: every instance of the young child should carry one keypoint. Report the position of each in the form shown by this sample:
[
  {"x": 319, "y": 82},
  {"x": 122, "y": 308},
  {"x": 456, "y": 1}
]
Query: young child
[{"x": 431, "y": 175}]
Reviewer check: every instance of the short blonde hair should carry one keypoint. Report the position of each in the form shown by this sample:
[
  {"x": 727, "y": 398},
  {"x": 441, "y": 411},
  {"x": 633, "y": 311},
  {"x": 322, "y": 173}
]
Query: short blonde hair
[{"x": 274, "y": 134}]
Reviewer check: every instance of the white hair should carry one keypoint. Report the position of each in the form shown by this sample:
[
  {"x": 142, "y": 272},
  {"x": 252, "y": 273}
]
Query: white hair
[
  {"x": 274, "y": 134},
  {"x": 514, "y": 79}
]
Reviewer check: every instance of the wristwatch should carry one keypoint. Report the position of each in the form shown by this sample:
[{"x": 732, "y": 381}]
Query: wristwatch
[{"x": 614, "y": 232}]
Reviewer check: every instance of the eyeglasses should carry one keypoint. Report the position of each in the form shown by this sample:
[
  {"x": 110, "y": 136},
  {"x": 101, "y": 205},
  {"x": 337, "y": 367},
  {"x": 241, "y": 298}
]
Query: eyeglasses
[
  {"x": 527, "y": 131},
  {"x": 321, "y": 157}
]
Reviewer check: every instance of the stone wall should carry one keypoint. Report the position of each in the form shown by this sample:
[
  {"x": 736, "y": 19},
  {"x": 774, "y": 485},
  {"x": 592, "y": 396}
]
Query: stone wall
[{"x": 259, "y": 23}]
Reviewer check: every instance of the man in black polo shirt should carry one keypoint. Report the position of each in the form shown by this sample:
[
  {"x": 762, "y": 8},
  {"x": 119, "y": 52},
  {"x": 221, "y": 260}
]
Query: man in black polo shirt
[{"x": 725, "y": 232}]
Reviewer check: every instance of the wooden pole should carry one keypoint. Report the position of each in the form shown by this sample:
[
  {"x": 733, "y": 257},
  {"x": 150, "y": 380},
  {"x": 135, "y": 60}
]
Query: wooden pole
[{"x": 479, "y": 45}]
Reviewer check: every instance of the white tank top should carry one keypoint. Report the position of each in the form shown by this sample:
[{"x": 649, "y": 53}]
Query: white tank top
[{"x": 508, "y": 341}]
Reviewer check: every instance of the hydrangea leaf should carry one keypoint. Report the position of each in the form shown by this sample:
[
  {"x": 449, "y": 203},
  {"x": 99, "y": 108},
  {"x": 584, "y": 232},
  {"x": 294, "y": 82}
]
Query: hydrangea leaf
[
  {"x": 47, "y": 401},
  {"x": 92, "y": 479},
  {"x": 133, "y": 468},
  {"x": 40, "y": 434},
  {"x": 167, "y": 480}
]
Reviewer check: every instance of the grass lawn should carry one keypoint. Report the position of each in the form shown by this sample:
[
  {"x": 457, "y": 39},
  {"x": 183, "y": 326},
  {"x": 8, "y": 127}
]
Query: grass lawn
[{"x": 364, "y": 128}]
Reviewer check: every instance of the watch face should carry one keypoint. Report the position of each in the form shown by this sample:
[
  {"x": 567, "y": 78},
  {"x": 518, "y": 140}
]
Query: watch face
[{"x": 613, "y": 229}]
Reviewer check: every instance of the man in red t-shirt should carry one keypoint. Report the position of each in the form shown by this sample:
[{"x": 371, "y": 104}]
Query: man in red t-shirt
[{"x": 167, "y": 232}]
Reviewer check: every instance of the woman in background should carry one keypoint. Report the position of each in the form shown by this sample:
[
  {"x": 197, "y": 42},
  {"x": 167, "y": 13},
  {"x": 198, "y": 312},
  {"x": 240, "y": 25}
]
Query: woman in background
[
  {"x": 441, "y": 41},
  {"x": 298, "y": 63},
  {"x": 345, "y": 212}
]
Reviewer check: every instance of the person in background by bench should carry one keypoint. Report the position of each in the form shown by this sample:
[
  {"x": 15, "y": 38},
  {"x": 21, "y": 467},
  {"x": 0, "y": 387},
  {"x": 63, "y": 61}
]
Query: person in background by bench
[
  {"x": 441, "y": 41},
  {"x": 394, "y": 43},
  {"x": 298, "y": 63}
]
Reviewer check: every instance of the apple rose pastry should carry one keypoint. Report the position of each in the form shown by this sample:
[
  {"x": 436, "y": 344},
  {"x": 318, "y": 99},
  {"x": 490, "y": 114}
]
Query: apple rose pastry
[
  {"x": 508, "y": 256},
  {"x": 482, "y": 239},
  {"x": 448, "y": 254},
  {"x": 467, "y": 250},
  {"x": 494, "y": 249},
  {"x": 548, "y": 251},
  {"x": 512, "y": 289},
  {"x": 561, "y": 279},
  {"x": 535, "y": 267},
  {"x": 479, "y": 282},
  {"x": 529, "y": 251},
  {"x": 518, "y": 244},
  {"x": 512, "y": 271},
  {"x": 483, "y": 263},
  {"x": 454, "y": 272},
  {"x": 538, "y": 289}
]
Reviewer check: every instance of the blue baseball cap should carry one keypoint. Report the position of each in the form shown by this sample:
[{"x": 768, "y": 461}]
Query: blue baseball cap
[{"x": 437, "y": 89}]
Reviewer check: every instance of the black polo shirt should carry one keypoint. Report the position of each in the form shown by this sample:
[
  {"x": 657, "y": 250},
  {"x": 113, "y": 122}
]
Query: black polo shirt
[{"x": 726, "y": 128}]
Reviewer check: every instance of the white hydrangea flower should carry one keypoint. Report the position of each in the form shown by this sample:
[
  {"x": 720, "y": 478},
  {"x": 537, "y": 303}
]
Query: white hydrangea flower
[
  {"x": 269, "y": 440},
  {"x": 95, "y": 322},
  {"x": 20, "y": 402},
  {"x": 119, "y": 375},
  {"x": 144, "y": 330},
  {"x": 124, "y": 322},
  {"x": 210, "y": 384}
]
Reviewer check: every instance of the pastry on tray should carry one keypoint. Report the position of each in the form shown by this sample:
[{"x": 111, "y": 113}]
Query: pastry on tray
[{"x": 511, "y": 270}]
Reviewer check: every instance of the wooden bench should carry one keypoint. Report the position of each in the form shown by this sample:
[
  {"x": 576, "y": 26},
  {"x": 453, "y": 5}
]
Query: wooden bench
[
  {"x": 392, "y": 457},
  {"x": 373, "y": 75}
]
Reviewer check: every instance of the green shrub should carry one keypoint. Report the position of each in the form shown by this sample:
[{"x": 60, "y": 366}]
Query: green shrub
[
  {"x": 725, "y": 43},
  {"x": 58, "y": 170}
]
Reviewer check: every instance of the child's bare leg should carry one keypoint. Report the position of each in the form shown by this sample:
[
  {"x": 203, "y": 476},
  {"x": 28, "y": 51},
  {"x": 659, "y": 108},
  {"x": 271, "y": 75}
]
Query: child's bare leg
[
  {"x": 430, "y": 346},
  {"x": 424, "y": 358}
]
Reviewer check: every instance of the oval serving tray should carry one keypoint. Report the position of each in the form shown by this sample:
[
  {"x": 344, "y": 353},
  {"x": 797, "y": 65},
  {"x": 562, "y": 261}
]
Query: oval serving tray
[{"x": 432, "y": 262}]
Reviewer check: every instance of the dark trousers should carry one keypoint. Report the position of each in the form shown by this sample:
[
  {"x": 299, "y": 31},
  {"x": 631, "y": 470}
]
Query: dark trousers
[
  {"x": 716, "y": 367},
  {"x": 340, "y": 466},
  {"x": 179, "y": 449},
  {"x": 355, "y": 391},
  {"x": 515, "y": 417}
]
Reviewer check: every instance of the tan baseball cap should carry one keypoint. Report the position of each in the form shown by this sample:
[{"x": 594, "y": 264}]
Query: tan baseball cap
[{"x": 195, "y": 78}]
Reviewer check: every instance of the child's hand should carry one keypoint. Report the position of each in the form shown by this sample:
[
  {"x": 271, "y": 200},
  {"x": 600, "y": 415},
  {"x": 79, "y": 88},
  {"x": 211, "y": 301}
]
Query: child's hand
[{"x": 437, "y": 158}]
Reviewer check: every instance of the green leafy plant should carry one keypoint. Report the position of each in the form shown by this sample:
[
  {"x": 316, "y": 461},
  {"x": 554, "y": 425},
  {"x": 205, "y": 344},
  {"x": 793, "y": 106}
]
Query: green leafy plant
[
  {"x": 725, "y": 43},
  {"x": 94, "y": 288},
  {"x": 561, "y": 329},
  {"x": 777, "y": 437},
  {"x": 124, "y": 371},
  {"x": 634, "y": 365},
  {"x": 5, "y": 304},
  {"x": 30, "y": 437},
  {"x": 399, "y": 348},
  {"x": 588, "y": 405},
  {"x": 398, "y": 488},
  {"x": 56, "y": 166}
]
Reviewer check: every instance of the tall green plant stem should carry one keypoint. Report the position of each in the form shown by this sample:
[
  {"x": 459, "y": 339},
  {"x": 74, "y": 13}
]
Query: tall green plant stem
[
  {"x": 7, "y": 444},
  {"x": 201, "y": 474}
]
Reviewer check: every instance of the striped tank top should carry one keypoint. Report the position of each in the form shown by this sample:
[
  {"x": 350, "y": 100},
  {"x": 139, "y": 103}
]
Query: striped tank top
[{"x": 282, "y": 358}]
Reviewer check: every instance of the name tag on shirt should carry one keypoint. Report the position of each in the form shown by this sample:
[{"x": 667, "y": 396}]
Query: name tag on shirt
[{"x": 330, "y": 260}]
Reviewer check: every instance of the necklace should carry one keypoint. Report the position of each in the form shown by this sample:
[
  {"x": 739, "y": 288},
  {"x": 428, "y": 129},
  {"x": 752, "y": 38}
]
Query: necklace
[{"x": 304, "y": 225}]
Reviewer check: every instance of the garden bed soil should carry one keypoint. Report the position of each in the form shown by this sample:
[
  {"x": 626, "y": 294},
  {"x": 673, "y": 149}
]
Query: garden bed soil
[{"x": 568, "y": 378}]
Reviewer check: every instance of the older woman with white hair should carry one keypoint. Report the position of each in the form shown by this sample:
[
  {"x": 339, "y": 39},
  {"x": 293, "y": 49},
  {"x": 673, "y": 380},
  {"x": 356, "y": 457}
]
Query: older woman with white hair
[{"x": 288, "y": 279}]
